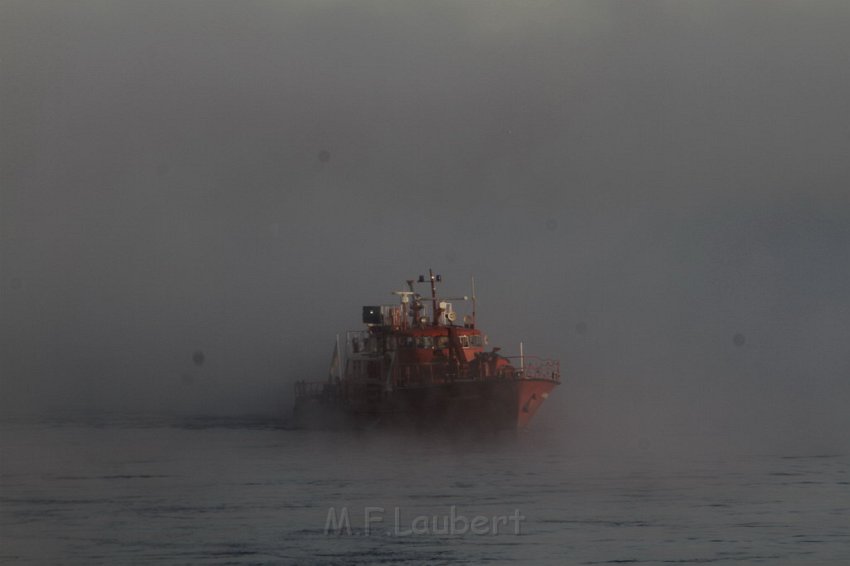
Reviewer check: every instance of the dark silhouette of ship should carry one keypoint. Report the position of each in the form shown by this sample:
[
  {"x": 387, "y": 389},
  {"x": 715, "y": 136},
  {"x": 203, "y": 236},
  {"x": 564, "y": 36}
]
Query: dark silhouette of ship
[{"x": 416, "y": 365}]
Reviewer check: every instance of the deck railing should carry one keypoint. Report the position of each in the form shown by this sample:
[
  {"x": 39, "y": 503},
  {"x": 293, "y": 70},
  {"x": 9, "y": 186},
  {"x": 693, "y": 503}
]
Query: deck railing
[{"x": 532, "y": 367}]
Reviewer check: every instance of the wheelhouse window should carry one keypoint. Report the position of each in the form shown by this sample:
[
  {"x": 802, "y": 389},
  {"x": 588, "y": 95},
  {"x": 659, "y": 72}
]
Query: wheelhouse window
[
  {"x": 476, "y": 341},
  {"x": 464, "y": 341},
  {"x": 442, "y": 342},
  {"x": 424, "y": 342}
]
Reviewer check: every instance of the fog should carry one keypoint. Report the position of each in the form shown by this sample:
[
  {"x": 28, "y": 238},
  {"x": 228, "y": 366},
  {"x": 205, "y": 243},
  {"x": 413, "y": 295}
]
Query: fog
[{"x": 655, "y": 193}]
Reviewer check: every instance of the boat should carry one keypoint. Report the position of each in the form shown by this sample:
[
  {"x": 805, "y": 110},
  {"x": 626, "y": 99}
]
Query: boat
[{"x": 416, "y": 365}]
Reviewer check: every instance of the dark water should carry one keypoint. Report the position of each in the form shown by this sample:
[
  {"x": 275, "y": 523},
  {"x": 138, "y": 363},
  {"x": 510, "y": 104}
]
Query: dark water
[{"x": 237, "y": 491}]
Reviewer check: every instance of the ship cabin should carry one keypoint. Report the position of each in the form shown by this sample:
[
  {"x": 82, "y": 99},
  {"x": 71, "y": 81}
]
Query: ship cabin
[
  {"x": 421, "y": 340},
  {"x": 429, "y": 344}
]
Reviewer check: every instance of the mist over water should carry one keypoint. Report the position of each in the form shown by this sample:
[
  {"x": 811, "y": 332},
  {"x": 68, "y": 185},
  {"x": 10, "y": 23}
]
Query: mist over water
[
  {"x": 195, "y": 198},
  {"x": 656, "y": 194}
]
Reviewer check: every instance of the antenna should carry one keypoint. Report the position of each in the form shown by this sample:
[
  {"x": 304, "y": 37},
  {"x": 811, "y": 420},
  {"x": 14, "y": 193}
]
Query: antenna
[
  {"x": 339, "y": 361},
  {"x": 473, "y": 301},
  {"x": 521, "y": 359},
  {"x": 435, "y": 313}
]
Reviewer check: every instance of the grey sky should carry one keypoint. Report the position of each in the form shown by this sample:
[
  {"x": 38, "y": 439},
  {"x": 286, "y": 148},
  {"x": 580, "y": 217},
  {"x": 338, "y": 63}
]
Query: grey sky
[{"x": 669, "y": 174}]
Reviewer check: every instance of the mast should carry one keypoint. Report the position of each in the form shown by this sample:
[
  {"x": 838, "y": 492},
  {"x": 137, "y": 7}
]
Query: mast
[
  {"x": 473, "y": 301},
  {"x": 339, "y": 360},
  {"x": 521, "y": 359},
  {"x": 434, "y": 311}
]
